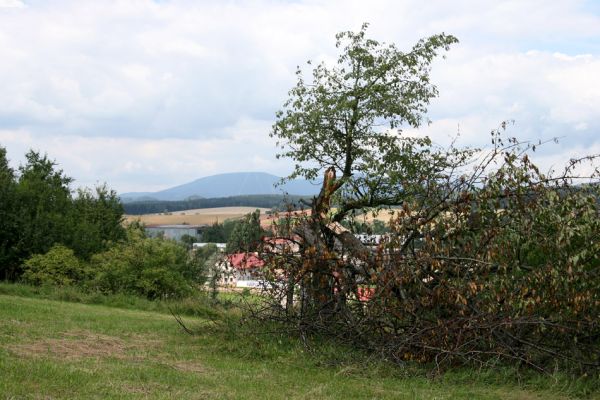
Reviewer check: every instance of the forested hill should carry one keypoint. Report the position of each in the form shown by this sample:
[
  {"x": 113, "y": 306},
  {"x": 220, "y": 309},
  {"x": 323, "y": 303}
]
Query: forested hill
[
  {"x": 228, "y": 185},
  {"x": 262, "y": 201}
]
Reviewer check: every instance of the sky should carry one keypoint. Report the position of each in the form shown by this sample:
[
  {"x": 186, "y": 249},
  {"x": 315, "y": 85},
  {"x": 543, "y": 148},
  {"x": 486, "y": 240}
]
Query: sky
[{"x": 145, "y": 95}]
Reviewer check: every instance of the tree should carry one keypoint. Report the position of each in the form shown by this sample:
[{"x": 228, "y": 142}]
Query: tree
[
  {"x": 246, "y": 234},
  {"x": 347, "y": 120},
  {"x": 96, "y": 221},
  {"x": 8, "y": 218},
  {"x": 44, "y": 205},
  {"x": 151, "y": 267},
  {"x": 487, "y": 258},
  {"x": 214, "y": 233},
  {"x": 205, "y": 269},
  {"x": 346, "y": 123},
  {"x": 188, "y": 241},
  {"x": 38, "y": 211}
]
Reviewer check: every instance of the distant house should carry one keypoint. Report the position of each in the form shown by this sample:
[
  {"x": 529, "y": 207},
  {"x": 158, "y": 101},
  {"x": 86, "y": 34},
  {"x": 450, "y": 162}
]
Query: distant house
[
  {"x": 369, "y": 240},
  {"x": 220, "y": 246},
  {"x": 175, "y": 232},
  {"x": 242, "y": 270}
]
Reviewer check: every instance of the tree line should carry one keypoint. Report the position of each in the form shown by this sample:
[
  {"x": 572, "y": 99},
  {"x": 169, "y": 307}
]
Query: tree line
[
  {"x": 38, "y": 209},
  {"x": 273, "y": 201},
  {"x": 51, "y": 235}
]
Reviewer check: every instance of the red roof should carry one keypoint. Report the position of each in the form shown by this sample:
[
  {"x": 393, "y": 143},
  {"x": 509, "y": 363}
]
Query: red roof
[
  {"x": 365, "y": 293},
  {"x": 245, "y": 260}
]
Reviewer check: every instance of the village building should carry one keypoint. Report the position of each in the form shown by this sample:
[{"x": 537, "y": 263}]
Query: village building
[
  {"x": 241, "y": 270},
  {"x": 175, "y": 232},
  {"x": 220, "y": 246}
]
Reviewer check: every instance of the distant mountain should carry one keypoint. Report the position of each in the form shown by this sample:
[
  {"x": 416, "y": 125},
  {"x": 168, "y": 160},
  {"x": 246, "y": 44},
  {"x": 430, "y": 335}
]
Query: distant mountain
[{"x": 226, "y": 185}]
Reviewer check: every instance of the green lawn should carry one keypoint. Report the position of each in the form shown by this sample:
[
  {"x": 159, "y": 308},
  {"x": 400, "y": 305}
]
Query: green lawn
[{"x": 52, "y": 349}]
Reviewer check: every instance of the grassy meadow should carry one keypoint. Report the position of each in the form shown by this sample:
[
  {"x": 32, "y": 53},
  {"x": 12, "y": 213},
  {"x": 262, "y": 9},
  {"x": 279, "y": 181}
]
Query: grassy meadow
[{"x": 51, "y": 349}]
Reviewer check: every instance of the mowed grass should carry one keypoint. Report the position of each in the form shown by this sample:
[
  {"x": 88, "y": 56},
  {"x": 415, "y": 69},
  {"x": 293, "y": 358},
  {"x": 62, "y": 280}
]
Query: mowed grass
[
  {"x": 195, "y": 217},
  {"x": 52, "y": 349}
]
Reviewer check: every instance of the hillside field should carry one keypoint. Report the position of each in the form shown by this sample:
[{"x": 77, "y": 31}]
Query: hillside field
[
  {"x": 58, "y": 350},
  {"x": 209, "y": 216},
  {"x": 195, "y": 217}
]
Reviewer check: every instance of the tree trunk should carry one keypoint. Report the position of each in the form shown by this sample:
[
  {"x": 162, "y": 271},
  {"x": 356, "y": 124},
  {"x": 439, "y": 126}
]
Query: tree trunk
[{"x": 289, "y": 303}]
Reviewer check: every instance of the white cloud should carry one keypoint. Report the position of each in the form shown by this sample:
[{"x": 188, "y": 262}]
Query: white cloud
[
  {"x": 11, "y": 4},
  {"x": 148, "y": 94},
  {"x": 139, "y": 164}
]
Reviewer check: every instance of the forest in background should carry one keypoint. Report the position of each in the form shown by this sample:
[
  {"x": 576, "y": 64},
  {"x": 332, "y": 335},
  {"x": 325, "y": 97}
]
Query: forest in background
[{"x": 274, "y": 201}]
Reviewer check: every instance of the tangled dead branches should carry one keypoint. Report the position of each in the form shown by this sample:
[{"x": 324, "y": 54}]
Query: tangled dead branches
[{"x": 477, "y": 269}]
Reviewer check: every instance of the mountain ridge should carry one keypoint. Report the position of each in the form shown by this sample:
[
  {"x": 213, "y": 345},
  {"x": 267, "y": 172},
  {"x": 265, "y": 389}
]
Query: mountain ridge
[{"x": 226, "y": 185}]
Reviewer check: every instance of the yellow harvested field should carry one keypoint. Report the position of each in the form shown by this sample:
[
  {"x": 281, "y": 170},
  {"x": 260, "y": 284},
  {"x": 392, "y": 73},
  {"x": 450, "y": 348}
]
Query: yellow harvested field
[
  {"x": 196, "y": 216},
  {"x": 383, "y": 215},
  {"x": 211, "y": 215}
]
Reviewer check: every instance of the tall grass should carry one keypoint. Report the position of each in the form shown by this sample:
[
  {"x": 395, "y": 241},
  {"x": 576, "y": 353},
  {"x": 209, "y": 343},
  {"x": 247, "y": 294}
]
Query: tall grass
[{"x": 199, "y": 305}]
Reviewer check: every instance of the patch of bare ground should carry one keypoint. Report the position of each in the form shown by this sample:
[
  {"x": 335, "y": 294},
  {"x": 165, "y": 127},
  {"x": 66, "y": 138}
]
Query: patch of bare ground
[
  {"x": 80, "y": 344},
  {"x": 75, "y": 345}
]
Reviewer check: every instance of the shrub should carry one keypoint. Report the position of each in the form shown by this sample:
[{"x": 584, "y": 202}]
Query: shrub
[
  {"x": 151, "y": 267},
  {"x": 58, "y": 266}
]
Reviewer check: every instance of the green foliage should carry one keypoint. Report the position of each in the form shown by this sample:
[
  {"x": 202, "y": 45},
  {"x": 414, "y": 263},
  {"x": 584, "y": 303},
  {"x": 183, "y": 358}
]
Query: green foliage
[
  {"x": 96, "y": 219},
  {"x": 206, "y": 252},
  {"x": 259, "y": 200},
  {"x": 376, "y": 227},
  {"x": 379, "y": 227},
  {"x": 214, "y": 234},
  {"x": 229, "y": 225},
  {"x": 204, "y": 262},
  {"x": 246, "y": 234},
  {"x": 44, "y": 205},
  {"x": 188, "y": 241},
  {"x": 504, "y": 267},
  {"x": 488, "y": 260},
  {"x": 150, "y": 267},
  {"x": 347, "y": 118},
  {"x": 9, "y": 219},
  {"x": 38, "y": 211},
  {"x": 58, "y": 266}
]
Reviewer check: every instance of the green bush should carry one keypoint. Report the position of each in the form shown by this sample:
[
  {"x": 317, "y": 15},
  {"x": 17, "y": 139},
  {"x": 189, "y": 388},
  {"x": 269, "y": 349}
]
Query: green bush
[
  {"x": 58, "y": 266},
  {"x": 151, "y": 267}
]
